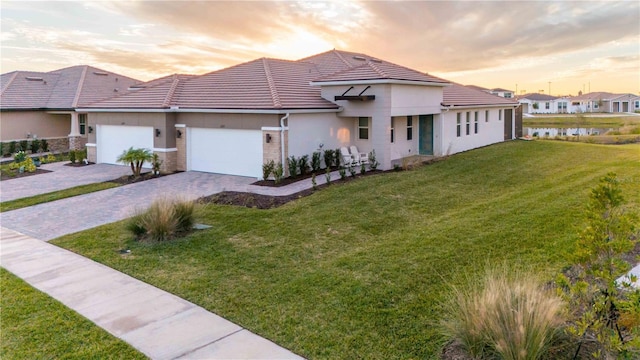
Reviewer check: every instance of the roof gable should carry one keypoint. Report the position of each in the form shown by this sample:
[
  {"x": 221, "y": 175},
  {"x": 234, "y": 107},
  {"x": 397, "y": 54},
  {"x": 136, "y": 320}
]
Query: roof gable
[{"x": 459, "y": 95}]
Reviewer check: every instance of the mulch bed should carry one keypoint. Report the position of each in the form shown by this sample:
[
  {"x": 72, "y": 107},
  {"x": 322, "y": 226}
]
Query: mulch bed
[
  {"x": 319, "y": 175},
  {"x": 130, "y": 179},
  {"x": 5, "y": 177},
  {"x": 78, "y": 164}
]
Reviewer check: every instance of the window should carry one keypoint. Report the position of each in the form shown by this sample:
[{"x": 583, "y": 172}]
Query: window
[
  {"x": 468, "y": 127},
  {"x": 82, "y": 121},
  {"x": 458, "y": 121},
  {"x": 475, "y": 122},
  {"x": 363, "y": 128},
  {"x": 500, "y": 115},
  {"x": 486, "y": 116},
  {"x": 637, "y": 104},
  {"x": 507, "y": 95},
  {"x": 546, "y": 105},
  {"x": 393, "y": 130},
  {"x": 409, "y": 127}
]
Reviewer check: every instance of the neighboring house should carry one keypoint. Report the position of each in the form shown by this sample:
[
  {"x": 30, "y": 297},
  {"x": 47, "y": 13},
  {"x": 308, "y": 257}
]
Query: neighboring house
[
  {"x": 233, "y": 120},
  {"x": 43, "y": 105},
  {"x": 543, "y": 104},
  {"x": 604, "y": 102},
  {"x": 502, "y": 93}
]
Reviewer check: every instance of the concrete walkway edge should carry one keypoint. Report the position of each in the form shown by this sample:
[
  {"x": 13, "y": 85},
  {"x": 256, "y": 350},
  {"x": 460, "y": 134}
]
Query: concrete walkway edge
[{"x": 157, "y": 323}]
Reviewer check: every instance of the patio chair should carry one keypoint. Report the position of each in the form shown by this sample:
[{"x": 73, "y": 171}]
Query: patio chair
[
  {"x": 347, "y": 159},
  {"x": 358, "y": 157}
]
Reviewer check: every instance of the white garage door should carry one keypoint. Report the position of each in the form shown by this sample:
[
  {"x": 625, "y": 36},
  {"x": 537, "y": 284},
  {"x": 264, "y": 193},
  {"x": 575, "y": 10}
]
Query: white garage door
[
  {"x": 225, "y": 151},
  {"x": 113, "y": 140}
]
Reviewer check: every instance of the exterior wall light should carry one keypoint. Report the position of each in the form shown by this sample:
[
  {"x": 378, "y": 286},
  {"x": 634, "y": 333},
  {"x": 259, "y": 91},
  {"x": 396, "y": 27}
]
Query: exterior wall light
[
  {"x": 178, "y": 134},
  {"x": 268, "y": 138},
  {"x": 157, "y": 132},
  {"x": 90, "y": 129}
]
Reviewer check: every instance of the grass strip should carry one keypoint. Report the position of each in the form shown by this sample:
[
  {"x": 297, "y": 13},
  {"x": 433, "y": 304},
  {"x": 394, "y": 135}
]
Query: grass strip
[
  {"x": 35, "y": 326},
  {"x": 55, "y": 195}
]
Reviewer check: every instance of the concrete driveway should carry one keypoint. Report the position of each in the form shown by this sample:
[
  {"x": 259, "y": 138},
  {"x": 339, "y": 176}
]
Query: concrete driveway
[
  {"x": 61, "y": 177},
  {"x": 53, "y": 219}
]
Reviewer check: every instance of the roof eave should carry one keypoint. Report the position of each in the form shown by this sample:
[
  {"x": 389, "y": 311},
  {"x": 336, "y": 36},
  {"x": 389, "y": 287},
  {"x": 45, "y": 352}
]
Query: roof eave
[
  {"x": 218, "y": 111},
  {"x": 378, "y": 81},
  {"x": 453, "y": 107}
]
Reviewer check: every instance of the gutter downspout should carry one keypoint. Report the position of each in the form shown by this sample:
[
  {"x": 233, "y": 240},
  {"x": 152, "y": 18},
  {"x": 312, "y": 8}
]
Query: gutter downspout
[{"x": 286, "y": 117}]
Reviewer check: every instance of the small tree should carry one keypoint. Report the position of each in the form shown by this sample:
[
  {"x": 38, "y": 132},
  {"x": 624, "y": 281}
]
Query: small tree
[
  {"x": 316, "y": 159},
  {"x": 599, "y": 302},
  {"x": 135, "y": 158}
]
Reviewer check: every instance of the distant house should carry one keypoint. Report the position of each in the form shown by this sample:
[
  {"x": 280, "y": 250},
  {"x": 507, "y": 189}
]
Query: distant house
[
  {"x": 604, "y": 102},
  {"x": 543, "y": 104},
  {"x": 43, "y": 105},
  {"x": 233, "y": 120},
  {"x": 508, "y": 94}
]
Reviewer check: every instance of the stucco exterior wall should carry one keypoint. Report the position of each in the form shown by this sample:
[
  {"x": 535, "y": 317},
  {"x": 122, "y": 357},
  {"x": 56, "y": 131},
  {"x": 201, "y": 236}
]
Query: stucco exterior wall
[
  {"x": 401, "y": 147},
  {"x": 308, "y": 131},
  {"x": 489, "y": 132},
  {"x": 229, "y": 121},
  {"x": 15, "y": 125},
  {"x": 413, "y": 99}
]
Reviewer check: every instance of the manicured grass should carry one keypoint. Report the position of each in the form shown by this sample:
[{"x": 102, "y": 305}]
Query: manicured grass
[
  {"x": 56, "y": 195},
  {"x": 360, "y": 270},
  {"x": 571, "y": 120},
  {"x": 35, "y": 326}
]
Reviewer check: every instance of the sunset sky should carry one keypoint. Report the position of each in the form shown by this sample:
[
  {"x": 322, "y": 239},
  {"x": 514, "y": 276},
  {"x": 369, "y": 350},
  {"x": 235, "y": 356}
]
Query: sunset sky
[{"x": 574, "y": 45}]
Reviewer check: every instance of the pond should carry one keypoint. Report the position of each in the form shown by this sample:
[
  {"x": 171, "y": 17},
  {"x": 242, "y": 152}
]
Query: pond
[{"x": 552, "y": 132}]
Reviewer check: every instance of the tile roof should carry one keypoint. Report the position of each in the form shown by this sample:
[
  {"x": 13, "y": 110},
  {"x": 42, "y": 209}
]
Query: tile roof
[
  {"x": 62, "y": 89},
  {"x": 460, "y": 95},
  {"x": 501, "y": 90},
  {"x": 537, "y": 97},
  {"x": 599, "y": 95},
  {"x": 477, "y": 87}
]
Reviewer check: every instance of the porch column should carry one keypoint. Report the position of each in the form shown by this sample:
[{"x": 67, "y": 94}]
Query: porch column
[{"x": 75, "y": 125}]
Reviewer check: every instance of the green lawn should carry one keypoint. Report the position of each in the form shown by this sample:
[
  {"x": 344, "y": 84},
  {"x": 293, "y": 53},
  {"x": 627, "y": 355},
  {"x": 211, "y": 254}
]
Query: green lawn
[
  {"x": 360, "y": 270},
  {"x": 56, "y": 195},
  {"x": 35, "y": 326},
  {"x": 570, "y": 120}
]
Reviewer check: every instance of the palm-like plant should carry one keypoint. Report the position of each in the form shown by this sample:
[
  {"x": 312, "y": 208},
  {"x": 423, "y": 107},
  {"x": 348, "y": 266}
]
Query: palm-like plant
[{"x": 135, "y": 158}]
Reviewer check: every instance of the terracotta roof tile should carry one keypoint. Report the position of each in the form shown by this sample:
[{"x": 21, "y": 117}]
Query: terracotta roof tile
[
  {"x": 459, "y": 95},
  {"x": 62, "y": 89}
]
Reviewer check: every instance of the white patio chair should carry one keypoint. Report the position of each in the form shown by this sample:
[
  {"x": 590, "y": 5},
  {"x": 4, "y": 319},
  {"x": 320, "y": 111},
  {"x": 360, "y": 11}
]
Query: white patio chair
[
  {"x": 358, "y": 157},
  {"x": 347, "y": 158}
]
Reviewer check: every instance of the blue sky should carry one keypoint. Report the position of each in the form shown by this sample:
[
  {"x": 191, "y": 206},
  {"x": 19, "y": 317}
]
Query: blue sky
[{"x": 573, "y": 45}]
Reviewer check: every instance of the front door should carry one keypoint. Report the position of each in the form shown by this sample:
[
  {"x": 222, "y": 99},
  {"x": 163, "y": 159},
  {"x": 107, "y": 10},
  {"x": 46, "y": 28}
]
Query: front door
[{"x": 425, "y": 135}]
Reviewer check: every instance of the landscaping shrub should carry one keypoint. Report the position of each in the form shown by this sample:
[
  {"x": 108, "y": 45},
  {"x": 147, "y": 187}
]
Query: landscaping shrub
[
  {"x": 314, "y": 184},
  {"x": 507, "y": 315},
  {"x": 352, "y": 171},
  {"x": 337, "y": 157},
  {"x": 156, "y": 163},
  {"x": 278, "y": 173},
  {"x": 316, "y": 159},
  {"x": 81, "y": 154},
  {"x": 45, "y": 145},
  {"x": 72, "y": 156},
  {"x": 373, "y": 162},
  {"x": 20, "y": 156},
  {"x": 303, "y": 164},
  {"x": 12, "y": 147},
  {"x": 24, "y": 145},
  {"x": 293, "y": 166},
  {"x": 328, "y": 158},
  {"x": 35, "y": 146},
  {"x": 343, "y": 173},
  {"x": 327, "y": 176},
  {"x": 2, "y": 149},
  {"x": 605, "y": 313},
  {"x": 163, "y": 220},
  {"x": 267, "y": 169},
  {"x": 363, "y": 169}
]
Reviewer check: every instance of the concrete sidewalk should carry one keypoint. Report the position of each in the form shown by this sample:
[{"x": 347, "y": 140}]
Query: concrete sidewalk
[{"x": 157, "y": 323}]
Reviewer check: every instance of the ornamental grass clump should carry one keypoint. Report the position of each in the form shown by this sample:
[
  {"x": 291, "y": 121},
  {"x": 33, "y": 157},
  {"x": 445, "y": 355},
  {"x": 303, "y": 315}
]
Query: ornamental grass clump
[
  {"x": 507, "y": 315},
  {"x": 165, "y": 219}
]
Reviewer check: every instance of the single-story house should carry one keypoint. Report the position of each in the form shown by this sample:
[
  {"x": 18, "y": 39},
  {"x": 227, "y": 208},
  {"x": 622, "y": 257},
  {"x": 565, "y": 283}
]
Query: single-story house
[
  {"x": 543, "y": 104},
  {"x": 233, "y": 120},
  {"x": 604, "y": 102},
  {"x": 42, "y": 105}
]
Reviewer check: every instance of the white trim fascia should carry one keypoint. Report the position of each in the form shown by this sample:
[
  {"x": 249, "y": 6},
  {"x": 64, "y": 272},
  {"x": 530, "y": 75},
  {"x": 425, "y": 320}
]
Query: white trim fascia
[
  {"x": 378, "y": 81},
  {"x": 215, "y": 111},
  {"x": 165, "y": 150},
  {"x": 181, "y": 125},
  {"x": 453, "y": 107},
  {"x": 272, "y": 128},
  {"x": 60, "y": 112},
  {"x": 90, "y": 144}
]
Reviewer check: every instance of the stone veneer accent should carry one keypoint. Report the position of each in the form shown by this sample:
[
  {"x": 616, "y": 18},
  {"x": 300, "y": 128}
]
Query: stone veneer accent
[
  {"x": 57, "y": 145},
  {"x": 169, "y": 161},
  {"x": 77, "y": 142},
  {"x": 181, "y": 154},
  {"x": 272, "y": 150}
]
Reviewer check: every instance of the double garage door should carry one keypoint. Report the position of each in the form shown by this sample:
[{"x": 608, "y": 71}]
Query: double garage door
[
  {"x": 222, "y": 151},
  {"x": 225, "y": 151}
]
